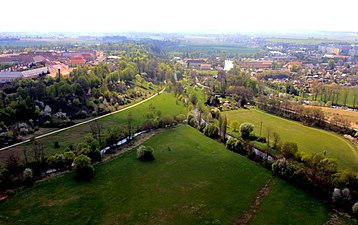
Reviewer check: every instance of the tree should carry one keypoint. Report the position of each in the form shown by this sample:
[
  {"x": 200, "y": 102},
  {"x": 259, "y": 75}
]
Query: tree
[
  {"x": 130, "y": 126},
  {"x": 83, "y": 167},
  {"x": 194, "y": 99},
  {"x": 211, "y": 130},
  {"x": 276, "y": 139},
  {"x": 331, "y": 64},
  {"x": 145, "y": 153},
  {"x": 289, "y": 149},
  {"x": 235, "y": 125},
  {"x": 96, "y": 130},
  {"x": 222, "y": 127},
  {"x": 246, "y": 129}
]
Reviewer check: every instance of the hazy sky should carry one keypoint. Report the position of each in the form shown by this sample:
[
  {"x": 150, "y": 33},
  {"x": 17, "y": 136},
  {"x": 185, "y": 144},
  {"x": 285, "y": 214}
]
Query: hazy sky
[{"x": 178, "y": 16}]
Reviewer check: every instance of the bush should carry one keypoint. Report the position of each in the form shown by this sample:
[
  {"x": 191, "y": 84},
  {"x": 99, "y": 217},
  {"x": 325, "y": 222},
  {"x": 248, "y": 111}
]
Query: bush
[
  {"x": 211, "y": 130},
  {"x": 57, "y": 145},
  {"x": 28, "y": 176},
  {"x": 93, "y": 154},
  {"x": 180, "y": 118},
  {"x": 69, "y": 157},
  {"x": 83, "y": 167},
  {"x": 246, "y": 129},
  {"x": 56, "y": 161},
  {"x": 253, "y": 137},
  {"x": 355, "y": 209},
  {"x": 231, "y": 144},
  {"x": 261, "y": 139},
  {"x": 145, "y": 153},
  {"x": 289, "y": 149}
]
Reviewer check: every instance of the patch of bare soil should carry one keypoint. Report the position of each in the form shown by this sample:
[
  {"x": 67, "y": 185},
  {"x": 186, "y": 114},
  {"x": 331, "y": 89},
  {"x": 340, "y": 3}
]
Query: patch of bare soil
[{"x": 250, "y": 212}]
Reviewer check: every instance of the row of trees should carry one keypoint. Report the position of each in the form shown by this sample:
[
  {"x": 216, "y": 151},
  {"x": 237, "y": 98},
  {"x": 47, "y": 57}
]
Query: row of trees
[
  {"x": 313, "y": 172},
  {"x": 311, "y": 116}
]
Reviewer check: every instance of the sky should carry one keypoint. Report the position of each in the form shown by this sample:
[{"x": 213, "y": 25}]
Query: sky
[{"x": 205, "y": 16}]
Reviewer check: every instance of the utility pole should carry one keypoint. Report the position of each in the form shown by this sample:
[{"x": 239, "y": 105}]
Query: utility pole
[{"x": 260, "y": 128}]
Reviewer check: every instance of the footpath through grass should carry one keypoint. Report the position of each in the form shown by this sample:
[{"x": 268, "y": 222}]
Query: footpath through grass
[
  {"x": 166, "y": 103},
  {"x": 308, "y": 139},
  {"x": 193, "y": 180},
  {"x": 287, "y": 204}
]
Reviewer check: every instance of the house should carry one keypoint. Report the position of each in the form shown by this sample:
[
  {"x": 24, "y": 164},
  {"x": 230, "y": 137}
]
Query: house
[
  {"x": 77, "y": 60},
  {"x": 205, "y": 66},
  {"x": 195, "y": 63},
  {"x": 257, "y": 65}
]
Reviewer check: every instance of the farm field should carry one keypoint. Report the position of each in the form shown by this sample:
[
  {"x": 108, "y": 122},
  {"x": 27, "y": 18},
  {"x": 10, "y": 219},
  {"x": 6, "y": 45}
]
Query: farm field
[
  {"x": 165, "y": 103},
  {"x": 298, "y": 40},
  {"x": 352, "y": 116},
  {"x": 215, "y": 47},
  {"x": 308, "y": 139},
  {"x": 193, "y": 180}
]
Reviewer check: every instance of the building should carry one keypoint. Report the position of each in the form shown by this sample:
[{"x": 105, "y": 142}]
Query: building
[
  {"x": 256, "y": 65},
  {"x": 6, "y": 77},
  {"x": 205, "y": 67},
  {"x": 228, "y": 65}
]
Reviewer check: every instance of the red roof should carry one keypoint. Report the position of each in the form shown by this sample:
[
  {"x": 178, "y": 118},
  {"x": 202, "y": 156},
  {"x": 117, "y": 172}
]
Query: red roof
[
  {"x": 86, "y": 56},
  {"x": 294, "y": 63},
  {"x": 78, "y": 59}
]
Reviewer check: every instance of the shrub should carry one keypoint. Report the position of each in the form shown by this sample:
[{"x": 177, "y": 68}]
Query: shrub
[
  {"x": 211, "y": 130},
  {"x": 83, "y": 167},
  {"x": 231, "y": 144},
  {"x": 57, "y": 145},
  {"x": 253, "y": 137},
  {"x": 69, "y": 157},
  {"x": 355, "y": 209},
  {"x": 261, "y": 139},
  {"x": 93, "y": 154},
  {"x": 56, "y": 161},
  {"x": 336, "y": 195},
  {"x": 150, "y": 124},
  {"x": 180, "y": 118},
  {"x": 246, "y": 129},
  {"x": 28, "y": 176},
  {"x": 145, "y": 153},
  {"x": 289, "y": 149}
]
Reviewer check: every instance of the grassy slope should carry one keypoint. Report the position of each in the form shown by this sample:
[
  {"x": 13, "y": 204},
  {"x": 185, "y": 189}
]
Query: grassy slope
[
  {"x": 165, "y": 102},
  {"x": 294, "y": 207},
  {"x": 197, "y": 182},
  {"x": 308, "y": 139}
]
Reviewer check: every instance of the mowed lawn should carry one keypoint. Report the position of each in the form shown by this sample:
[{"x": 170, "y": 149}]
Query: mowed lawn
[
  {"x": 193, "y": 180},
  {"x": 308, "y": 139},
  {"x": 166, "y": 103}
]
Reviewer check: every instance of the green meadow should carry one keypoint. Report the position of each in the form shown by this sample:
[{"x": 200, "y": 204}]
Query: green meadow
[
  {"x": 193, "y": 180},
  {"x": 308, "y": 139}
]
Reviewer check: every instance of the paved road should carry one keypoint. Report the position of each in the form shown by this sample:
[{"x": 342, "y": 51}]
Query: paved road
[{"x": 81, "y": 123}]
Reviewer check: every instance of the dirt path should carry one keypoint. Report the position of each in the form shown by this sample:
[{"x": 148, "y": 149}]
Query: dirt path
[{"x": 250, "y": 212}]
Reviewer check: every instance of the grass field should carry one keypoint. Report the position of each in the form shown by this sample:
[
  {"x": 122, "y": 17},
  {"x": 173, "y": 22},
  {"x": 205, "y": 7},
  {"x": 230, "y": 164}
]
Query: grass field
[
  {"x": 308, "y": 139},
  {"x": 166, "y": 103},
  {"x": 216, "y": 47},
  {"x": 293, "y": 206},
  {"x": 197, "y": 182}
]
